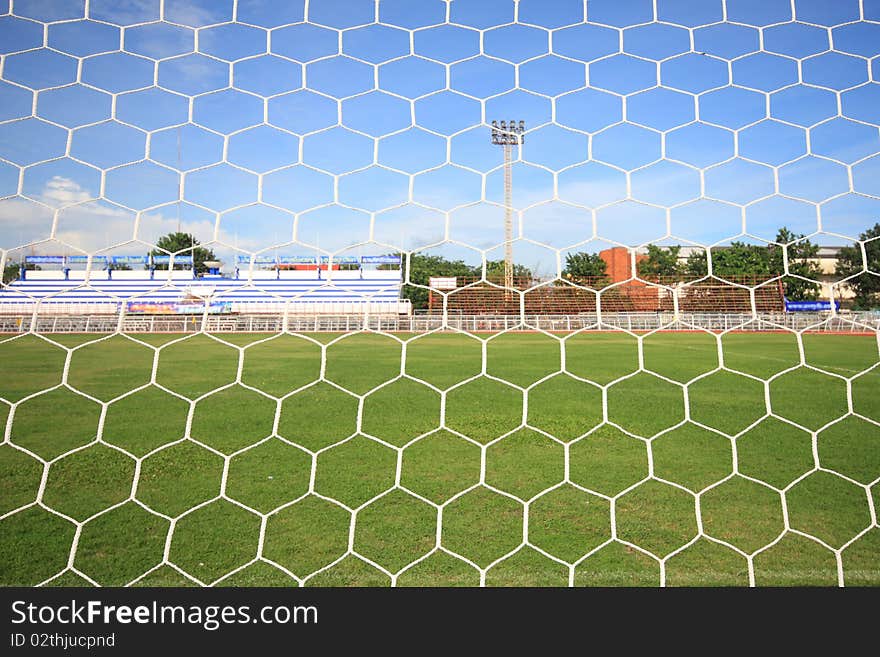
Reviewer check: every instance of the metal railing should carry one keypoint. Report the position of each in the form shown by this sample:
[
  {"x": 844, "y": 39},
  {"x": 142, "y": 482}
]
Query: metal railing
[{"x": 263, "y": 323}]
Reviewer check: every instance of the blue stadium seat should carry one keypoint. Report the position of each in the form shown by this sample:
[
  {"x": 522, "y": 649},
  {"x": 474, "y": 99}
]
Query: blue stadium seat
[{"x": 304, "y": 294}]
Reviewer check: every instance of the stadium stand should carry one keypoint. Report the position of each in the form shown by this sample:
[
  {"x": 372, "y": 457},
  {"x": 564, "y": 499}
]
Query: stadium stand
[
  {"x": 475, "y": 297},
  {"x": 620, "y": 290},
  {"x": 305, "y": 292}
]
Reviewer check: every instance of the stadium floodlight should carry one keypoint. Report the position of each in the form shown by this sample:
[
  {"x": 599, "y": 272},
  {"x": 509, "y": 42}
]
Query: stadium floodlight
[{"x": 508, "y": 134}]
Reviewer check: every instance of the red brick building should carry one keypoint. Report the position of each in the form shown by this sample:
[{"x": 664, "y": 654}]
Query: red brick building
[{"x": 618, "y": 263}]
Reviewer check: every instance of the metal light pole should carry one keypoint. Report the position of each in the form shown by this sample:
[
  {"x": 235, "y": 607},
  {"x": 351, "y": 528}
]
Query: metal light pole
[{"x": 508, "y": 134}]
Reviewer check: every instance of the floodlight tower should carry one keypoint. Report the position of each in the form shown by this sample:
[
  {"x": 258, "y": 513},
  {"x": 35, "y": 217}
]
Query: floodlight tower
[{"x": 508, "y": 134}]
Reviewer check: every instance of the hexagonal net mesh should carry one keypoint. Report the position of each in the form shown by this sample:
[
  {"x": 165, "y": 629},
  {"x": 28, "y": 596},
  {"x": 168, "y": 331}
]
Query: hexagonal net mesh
[{"x": 441, "y": 292}]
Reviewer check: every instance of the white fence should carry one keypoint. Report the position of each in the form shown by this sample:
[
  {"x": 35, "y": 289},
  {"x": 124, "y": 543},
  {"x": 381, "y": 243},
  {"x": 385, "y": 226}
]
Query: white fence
[
  {"x": 280, "y": 307},
  {"x": 258, "y": 323}
]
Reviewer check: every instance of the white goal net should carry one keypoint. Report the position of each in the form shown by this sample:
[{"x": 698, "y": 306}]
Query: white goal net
[{"x": 439, "y": 292}]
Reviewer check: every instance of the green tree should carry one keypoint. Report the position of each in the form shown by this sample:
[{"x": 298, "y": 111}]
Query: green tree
[
  {"x": 586, "y": 268},
  {"x": 735, "y": 261},
  {"x": 423, "y": 267},
  {"x": 741, "y": 260},
  {"x": 849, "y": 262},
  {"x": 661, "y": 264},
  {"x": 11, "y": 271},
  {"x": 696, "y": 265},
  {"x": 801, "y": 262},
  {"x": 188, "y": 244},
  {"x": 495, "y": 271},
  {"x": 581, "y": 266}
]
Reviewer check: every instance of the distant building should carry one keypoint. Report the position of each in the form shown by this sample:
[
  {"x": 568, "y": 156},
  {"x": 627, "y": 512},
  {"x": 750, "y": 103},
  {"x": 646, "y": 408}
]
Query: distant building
[
  {"x": 827, "y": 260},
  {"x": 618, "y": 263}
]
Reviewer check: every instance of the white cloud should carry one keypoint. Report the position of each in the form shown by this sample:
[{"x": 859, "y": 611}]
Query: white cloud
[
  {"x": 60, "y": 192},
  {"x": 23, "y": 221},
  {"x": 94, "y": 225}
]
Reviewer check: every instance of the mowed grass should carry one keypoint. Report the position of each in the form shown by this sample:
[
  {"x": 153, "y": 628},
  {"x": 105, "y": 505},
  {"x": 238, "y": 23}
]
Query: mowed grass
[{"x": 558, "y": 460}]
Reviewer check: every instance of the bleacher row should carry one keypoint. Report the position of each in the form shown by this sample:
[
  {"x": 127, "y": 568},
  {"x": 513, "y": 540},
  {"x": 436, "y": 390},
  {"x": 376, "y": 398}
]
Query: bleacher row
[
  {"x": 299, "y": 292},
  {"x": 709, "y": 295}
]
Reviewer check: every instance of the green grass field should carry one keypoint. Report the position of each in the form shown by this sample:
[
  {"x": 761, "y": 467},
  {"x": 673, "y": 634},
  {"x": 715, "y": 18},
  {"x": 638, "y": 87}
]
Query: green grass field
[{"x": 250, "y": 463}]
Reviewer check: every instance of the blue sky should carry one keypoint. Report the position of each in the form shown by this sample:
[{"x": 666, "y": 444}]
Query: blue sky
[{"x": 255, "y": 129}]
